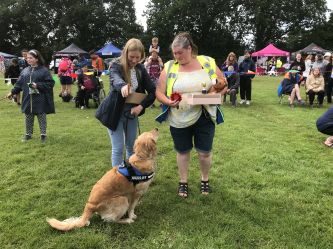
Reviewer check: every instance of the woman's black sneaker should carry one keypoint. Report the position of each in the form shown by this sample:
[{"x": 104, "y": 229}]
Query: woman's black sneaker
[
  {"x": 26, "y": 138},
  {"x": 43, "y": 138}
]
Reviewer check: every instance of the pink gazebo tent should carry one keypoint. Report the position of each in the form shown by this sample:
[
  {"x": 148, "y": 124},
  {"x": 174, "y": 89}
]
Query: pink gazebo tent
[{"x": 271, "y": 50}]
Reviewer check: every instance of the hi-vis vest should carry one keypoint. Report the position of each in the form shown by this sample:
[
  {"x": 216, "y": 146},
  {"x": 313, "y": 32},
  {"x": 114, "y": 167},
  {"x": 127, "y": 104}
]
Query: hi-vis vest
[{"x": 172, "y": 68}]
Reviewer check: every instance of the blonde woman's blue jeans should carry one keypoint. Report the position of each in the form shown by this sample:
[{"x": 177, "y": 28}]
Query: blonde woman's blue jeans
[{"x": 125, "y": 134}]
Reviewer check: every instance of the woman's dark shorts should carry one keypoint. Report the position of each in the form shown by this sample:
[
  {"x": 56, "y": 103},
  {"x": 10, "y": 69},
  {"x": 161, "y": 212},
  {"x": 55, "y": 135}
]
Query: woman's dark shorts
[
  {"x": 66, "y": 80},
  {"x": 202, "y": 132}
]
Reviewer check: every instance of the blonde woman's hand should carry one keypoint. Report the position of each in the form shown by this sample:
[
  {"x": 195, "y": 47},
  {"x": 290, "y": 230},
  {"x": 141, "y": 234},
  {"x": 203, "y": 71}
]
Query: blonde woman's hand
[{"x": 125, "y": 91}]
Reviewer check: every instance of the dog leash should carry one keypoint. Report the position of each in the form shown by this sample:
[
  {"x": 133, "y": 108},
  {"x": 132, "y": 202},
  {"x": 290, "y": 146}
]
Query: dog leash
[{"x": 130, "y": 116}]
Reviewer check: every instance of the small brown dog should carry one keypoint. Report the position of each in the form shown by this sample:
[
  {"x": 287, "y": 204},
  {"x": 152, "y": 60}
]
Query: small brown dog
[
  {"x": 114, "y": 194},
  {"x": 221, "y": 83}
]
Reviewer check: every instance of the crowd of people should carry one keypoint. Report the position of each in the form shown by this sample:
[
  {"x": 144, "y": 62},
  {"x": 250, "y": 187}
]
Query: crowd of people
[{"x": 134, "y": 73}]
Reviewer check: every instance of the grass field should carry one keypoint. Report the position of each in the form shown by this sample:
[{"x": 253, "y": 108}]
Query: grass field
[{"x": 272, "y": 181}]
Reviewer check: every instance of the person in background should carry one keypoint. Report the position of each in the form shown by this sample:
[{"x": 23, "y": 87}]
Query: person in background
[
  {"x": 37, "y": 85},
  {"x": 278, "y": 64},
  {"x": 298, "y": 63},
  {"x": 82, "y": 61},
  {"x": 189, "y": 123},
  {"x": 96, "y": 62},
  {"x": 128, "y": 75},
  {"x": 65, "y": 75},
  {"x": 271, "y": 64},
  {"x": 246, "y": 78},
  {"x": 325, "y": 126},
  {"x": 23, "y": 63},
  {"x": 319, "y": 63},
  {"x": 327, "y": 58},
  {"x": 154, "y": 66},
  {"x": 12, "y": 73},
  {"x": 329, "y": 80},
  {"x": 233, "y": 84},
  {"x": 315, "y": 85},
  {"x": 290, "y": 86},
  {"x": 308, "y": 66},
  {"x": 154, "y": 45},
  {"x": 230, "y": 61},
  {"x": 87, "y": 84}
]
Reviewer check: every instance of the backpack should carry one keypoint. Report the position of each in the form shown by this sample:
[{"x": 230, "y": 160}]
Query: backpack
[{"x": 63, "y": 66}]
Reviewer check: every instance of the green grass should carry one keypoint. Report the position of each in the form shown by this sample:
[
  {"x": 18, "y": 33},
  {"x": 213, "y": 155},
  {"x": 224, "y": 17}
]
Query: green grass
[{"x": 272, "y": 181}]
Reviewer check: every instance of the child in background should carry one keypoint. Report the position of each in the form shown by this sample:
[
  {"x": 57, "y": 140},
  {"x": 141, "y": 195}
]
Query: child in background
[
  {"x": 154, "y": 45},
  {"x": 37, "y": 84}
]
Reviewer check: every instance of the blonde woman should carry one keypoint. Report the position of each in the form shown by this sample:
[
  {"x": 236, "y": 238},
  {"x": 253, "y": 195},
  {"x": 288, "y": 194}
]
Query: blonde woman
[
  {"x": 315, "y": 85},
  {"x": 128, "y": 75},
  {"x": 230, "y": 61}
]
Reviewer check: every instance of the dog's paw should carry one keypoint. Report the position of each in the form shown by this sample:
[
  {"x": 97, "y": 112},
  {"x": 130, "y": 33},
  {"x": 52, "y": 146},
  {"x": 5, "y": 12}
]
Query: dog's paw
[
  {"x": 125, "y": 221},
  {"x": 133, "y": 216}
]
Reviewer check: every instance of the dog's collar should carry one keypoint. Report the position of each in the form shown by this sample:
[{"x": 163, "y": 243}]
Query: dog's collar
[{"x": 133, "y": 174}]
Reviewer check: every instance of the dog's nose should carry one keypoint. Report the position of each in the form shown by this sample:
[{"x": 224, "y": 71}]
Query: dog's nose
[{"x": 156, "y": 129}]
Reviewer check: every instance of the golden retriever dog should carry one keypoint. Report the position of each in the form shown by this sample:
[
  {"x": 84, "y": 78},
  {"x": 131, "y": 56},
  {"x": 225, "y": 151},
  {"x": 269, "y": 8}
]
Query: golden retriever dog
[{"x": 114, "y": 195}]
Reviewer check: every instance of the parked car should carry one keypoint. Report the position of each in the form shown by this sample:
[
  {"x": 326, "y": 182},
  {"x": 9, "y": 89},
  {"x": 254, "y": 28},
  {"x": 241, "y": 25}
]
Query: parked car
[{"x": 51, "y": 65}]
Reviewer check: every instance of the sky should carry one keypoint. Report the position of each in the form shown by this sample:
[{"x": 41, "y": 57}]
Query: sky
[
  {"x": 140, "y": 6},
  {"x": 330, "y": 4}
]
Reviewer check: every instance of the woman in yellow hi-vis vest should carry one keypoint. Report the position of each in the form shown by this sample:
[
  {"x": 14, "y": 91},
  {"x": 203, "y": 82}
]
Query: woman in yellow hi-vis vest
[{"x": 190, "y": 73}]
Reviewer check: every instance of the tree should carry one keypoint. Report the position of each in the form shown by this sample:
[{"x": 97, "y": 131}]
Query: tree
[
  {"x": 273, "y": 21},
  {"x": 52, "y": 25},
  {"x": 205, "y": 20},
  {"x": 222, "y": 26}
]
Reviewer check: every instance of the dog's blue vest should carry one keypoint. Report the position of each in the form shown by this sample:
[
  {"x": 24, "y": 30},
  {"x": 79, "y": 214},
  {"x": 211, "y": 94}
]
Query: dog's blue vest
[{"x": 133, "y": 174}]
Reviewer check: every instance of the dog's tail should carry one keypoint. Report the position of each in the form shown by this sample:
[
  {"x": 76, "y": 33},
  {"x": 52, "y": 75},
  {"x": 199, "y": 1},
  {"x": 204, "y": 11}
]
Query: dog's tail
[{"x": 72, "y": 223}]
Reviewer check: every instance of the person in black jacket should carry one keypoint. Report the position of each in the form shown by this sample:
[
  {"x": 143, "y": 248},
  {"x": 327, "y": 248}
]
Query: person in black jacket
[
  {"x": 328, "y": 76},
  {"x": 298, "y": 63},
  {"x": 128, "y": 75},
  {"x": 12, "y": 73},
  {"x": 246, "y": 78},
  {"x": 37, "y": 85},
  {"x": 325, "y": 126}
]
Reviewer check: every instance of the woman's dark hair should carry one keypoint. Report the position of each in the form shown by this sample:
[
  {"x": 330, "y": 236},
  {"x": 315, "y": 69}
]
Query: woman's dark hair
[
  {"x": 37, "y": 55},
  {"x": 184, "y": 40}
]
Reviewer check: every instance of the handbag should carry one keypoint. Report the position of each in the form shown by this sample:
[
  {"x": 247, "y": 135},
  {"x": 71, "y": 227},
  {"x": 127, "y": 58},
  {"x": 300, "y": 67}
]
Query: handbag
[{"x": 109, "y": 111}]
